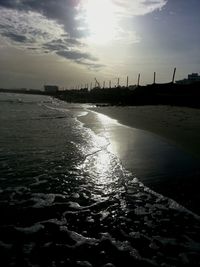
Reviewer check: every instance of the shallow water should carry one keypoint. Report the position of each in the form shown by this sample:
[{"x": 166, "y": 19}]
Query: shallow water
[{"x": 67, "y": 200}]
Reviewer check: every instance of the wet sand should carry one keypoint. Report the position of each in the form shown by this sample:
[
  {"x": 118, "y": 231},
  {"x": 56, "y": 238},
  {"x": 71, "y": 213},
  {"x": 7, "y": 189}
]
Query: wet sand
[
  {"x": 152, "y": 156},
  {"x": 179, "y": 125}
]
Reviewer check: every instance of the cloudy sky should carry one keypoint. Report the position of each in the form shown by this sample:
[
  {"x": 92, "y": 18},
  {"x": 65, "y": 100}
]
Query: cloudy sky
[{"x": 70, "y": 42}]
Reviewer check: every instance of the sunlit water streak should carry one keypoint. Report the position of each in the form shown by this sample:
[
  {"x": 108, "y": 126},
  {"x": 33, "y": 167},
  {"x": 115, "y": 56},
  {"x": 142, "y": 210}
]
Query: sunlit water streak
[{"x": 66, "y": 199}]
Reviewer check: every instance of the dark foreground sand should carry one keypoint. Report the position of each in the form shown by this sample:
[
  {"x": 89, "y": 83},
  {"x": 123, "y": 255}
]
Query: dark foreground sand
[{"x": 180, "y": 125}]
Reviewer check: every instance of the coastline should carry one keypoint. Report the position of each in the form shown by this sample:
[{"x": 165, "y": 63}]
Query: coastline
[
  {"x": 157, "y": 163},
  {"x": 177, "y": 125}
]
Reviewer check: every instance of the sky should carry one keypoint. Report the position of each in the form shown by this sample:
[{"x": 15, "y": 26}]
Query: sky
[{"x": 69, "y": 43}]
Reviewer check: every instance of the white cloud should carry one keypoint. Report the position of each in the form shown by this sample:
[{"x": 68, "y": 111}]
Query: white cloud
[
  {"x": 127, "y": 8},
  {"x": 35, "y": 28},
  {"x": 33, "y": 31}
]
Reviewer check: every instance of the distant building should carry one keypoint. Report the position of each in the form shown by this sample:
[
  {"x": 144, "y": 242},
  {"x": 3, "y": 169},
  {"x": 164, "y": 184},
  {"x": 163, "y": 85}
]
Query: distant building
[
  {"x": 51, "y": 88},
  {"x": 192, "y": 78}
]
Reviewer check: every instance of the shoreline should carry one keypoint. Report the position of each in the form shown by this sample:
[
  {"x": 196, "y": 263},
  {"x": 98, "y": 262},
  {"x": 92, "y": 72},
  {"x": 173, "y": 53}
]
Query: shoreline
[
  {"x": 157, "y": 163},
  {"x": 179, "y": 126}
]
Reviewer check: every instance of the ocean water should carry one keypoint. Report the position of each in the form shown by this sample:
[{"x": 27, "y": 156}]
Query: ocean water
[{"x": 67, "y": 200}]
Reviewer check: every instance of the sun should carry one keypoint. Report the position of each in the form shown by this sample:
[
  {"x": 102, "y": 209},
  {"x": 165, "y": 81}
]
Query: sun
[{"x": 101, "y": 20}]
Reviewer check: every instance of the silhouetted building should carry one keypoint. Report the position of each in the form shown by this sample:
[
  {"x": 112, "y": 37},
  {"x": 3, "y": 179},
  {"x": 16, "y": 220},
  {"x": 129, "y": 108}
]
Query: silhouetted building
[
  {"x": 51, "y": 88},
  {"x": 192, "y": 78}
]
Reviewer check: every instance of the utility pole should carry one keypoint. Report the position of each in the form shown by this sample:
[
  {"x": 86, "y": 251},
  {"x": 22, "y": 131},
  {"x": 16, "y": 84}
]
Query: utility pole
[
  {"x": 127, "y": 82},
  {"x": 154, "y": 78},
  {"x": 118, "y": 82},
  {"x": 138, "y": 83},
  {"x": 173, "y": 78},
  {"x": 109, "y": 84},
  {"x": 104, "y": 84}
]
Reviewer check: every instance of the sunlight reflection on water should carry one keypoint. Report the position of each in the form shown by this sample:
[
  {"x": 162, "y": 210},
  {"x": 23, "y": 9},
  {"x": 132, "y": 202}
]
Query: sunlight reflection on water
[
  {"x": 101, "y": 165},
  {"x": 105, "y": 120},
  {"x": 107, "y": 124}
]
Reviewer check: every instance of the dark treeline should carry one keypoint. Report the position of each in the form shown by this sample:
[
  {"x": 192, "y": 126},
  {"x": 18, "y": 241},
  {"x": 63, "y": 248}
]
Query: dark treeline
[{"x": 166, "y": 94}]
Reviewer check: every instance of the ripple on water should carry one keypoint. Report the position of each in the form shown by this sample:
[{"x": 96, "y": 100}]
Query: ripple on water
[{"x": 71, "y": 203}]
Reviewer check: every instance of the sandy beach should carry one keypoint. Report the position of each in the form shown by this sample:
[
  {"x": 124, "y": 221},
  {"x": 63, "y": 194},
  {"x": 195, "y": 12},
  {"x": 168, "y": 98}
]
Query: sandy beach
[{"x": 178, "y": 125}]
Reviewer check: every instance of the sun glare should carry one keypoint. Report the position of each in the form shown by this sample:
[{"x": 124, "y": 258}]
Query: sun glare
[{"x": 100, "y": 20}]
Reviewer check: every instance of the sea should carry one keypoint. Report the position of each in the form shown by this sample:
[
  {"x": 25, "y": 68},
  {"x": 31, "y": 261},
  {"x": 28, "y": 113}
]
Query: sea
[{"x": 67, "y": 199}]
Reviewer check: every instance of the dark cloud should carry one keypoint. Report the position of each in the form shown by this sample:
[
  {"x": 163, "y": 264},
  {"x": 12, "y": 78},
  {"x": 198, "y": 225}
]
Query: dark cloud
[
  {"x": 62, "y": 44},
  {"x": 74, "y": 42},
  {"x": 32, "y": 48},
  {"x": 75, "y": 55},
  {"x": 62, "y": 11},
  {"x": 90, "y": 65},
  {"x": 80, "y": 58},
  {"x": 8, "y": 3},
  {"x": 56, "y": 45},
  {"x": 67, "y": 48},
  {"x": 15, "y": 37}
]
